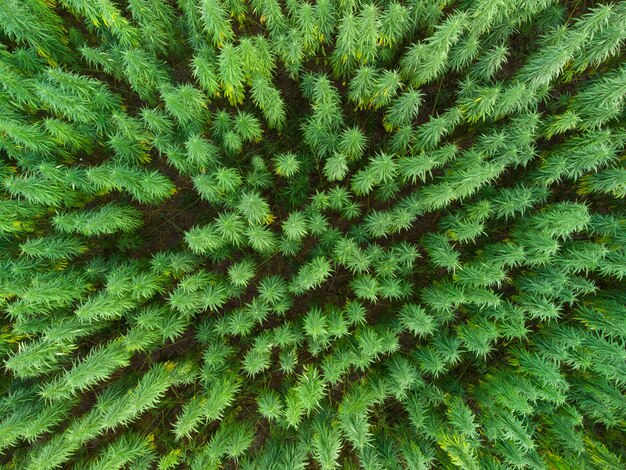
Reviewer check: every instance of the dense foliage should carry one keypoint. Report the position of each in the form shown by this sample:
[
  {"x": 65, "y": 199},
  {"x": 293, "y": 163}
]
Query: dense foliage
[{"x": 332, "y": 234}]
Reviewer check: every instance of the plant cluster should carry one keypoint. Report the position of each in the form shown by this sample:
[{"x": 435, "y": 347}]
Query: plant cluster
[{"x": 263, "y": 234}]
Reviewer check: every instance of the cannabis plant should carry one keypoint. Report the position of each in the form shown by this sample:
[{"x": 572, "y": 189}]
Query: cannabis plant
[{"x": 263, "y": 234}]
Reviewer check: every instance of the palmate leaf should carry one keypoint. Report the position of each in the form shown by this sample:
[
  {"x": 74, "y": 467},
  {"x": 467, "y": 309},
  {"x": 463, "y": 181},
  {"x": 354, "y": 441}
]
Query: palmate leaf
[
  {"x": 257, "y": 359},
  {"x": 366, "y": 287},
  {"x": 261, "y": 239},
  {"x": 231, "y": 227},
  {"x": 157, "y": 121},
  {"x": 363, "y": 182},
  {"x": 215, "y": 21},
  {"x": 404, "y": 109},
  {"x": 29, "y": 419},
  {"x": 231, "y": 74},
  {"x": 248, "y": 127},
  {"x": 295, "y": 227},
  {"x": 186, "y": 103},
  {"x": 294, "y": 410},
  {"x": 257, "y": 56},
  {"x": 232, "y": 142},
  {"x": 326, "y": 444},
  {"x": 240, "y": 438},
  {"x": 482, "y": 274},
  {"x": 562, "y": 219},
  {"x": 190, "y": 418},
  {"x": 273, "y": 290},
  {"x": 53, "y": 247},
  {"x": 253, "y": 207},
  {"x": 218, "y": 185},
  {"x": 68, "y": 134},
  {"x": 270, "y": 101},
  {"x": 241, "y": 273},
  {"x": 336, "y": 167},
  {"x": 386, "y": 87},
  {"x": 611, "y": 181},
  {"x": 98, "y": 365},
  {"x": 220, "y": 396},
  {"x": 37, "y": 358},
  {"x": 288, "y": 360},
  {"x": 201, "y": 152},
  {"x": 287, "y": 164},
  {"x": 415, "y": 319},
  {"x": 36, "y": 190},
  {"x": 290, "y": 48},
  {"x": 344, "y": 54},
  {"x": 459, "y": 450},
  {"x": 613, "y": 265},
  {"x": 315, "y": 325},
  {"x": 143, "y": 72},
  {"x": 204, "y": 69},
  {"x": 479, "y": 338},
  {"x": 464, "y": 52},
  {"x": 214, "y": 296},
  {"x": 362, "y": 87},
  {"x": 491, "y": 62},
  {"x": 270, "y": 405},
  {"x": 311, "y": 275},
  {"x": 203, "y": 239},
  {"x": 145, "y": 187},
  {"x": 289, "y": 246},
  {"x": 126, "y": 449},
  {"x": 431, "y": 133},
  {"x": 103, "y": 306},
  {"x": 260, "y": 177},
  {"x": 310, "y": 389},
  {"x": 426, "y": 61}
]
